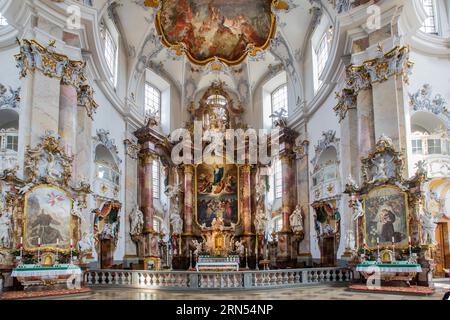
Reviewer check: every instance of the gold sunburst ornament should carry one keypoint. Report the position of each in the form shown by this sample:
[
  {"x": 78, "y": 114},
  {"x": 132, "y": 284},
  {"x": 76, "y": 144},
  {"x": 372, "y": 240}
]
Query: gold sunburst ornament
[{"x": 224, "y": 30}]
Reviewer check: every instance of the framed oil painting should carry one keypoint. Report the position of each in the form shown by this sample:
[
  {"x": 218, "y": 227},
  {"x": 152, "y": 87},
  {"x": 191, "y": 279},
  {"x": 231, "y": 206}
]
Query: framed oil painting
[
  {"x": 386, "y": 217},
  {"x": 216, "y": 188},
  {"x": 47, "y": 216}
]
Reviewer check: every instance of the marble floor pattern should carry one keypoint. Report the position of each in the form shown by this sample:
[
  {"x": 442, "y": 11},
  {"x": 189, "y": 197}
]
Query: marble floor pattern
[{"x": 299, "y": 293}]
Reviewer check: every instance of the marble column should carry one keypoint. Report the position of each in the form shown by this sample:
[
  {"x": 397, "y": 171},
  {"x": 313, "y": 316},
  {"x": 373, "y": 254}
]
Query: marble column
[
  {"x": 288, "y": 198},
  {"x": 366, "y": 129},
  {"x": 246, "y": 201},
  {"x": 188, "y": 200},
  {"x": 68, "y": 102},
  {"x": 146, "y": 188},
  {"x": 304, "y": 256}
]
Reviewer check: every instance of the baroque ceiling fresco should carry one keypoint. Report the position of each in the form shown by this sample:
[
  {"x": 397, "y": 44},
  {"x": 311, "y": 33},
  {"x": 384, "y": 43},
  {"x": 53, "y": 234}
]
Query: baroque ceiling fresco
[{"x": 207, "y": 30}]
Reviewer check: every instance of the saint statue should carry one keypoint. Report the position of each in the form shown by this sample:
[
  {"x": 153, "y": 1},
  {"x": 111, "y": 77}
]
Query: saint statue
[
  {"x": 358, "y": 210},
  {"x": 296, "y": 219},
  {"x": 260, "y": 221},
  {"x": 5, "y": 227},
  {"x": 136, "y": 222}
]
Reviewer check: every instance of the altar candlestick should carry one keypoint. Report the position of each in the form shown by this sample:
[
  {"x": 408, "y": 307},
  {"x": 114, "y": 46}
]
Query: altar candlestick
[
  {"x": 365, "y": 245},
  {"x": 410, "y": 245},
  {"x": 39, "y": 251},
  {"x": 378, "y": 248},
  {"x": 57, "y": 247},
  {"x": 393, "y": 247},
  {"x": 71, "y": 253},
  {"x": 21, "y": 248}
]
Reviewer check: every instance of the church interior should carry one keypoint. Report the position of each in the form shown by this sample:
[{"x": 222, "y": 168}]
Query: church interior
[{"x": 166, "y": 145}]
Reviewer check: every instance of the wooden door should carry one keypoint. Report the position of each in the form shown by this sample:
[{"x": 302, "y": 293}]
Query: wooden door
[
  {"x": 439, "y": 253},
  {"x": 328, "y": 252},
  {"x": 106, "y": 257}
]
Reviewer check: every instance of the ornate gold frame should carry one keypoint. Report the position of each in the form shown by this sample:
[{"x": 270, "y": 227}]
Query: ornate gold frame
[
  {"x": 179, "y": 48},
  {"x": 405, "y": 194},
  {"x": 25, "y": 220},
  {"x": 238, "y": 194}
]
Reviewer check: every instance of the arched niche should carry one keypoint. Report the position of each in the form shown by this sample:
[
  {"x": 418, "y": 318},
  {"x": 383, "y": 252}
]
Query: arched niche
[{"x": 9, "y": 138}]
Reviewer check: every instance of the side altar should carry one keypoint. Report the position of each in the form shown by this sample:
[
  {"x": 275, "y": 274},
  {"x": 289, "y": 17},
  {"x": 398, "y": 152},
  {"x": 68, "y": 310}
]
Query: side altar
[{"x": 388, "y": 241}]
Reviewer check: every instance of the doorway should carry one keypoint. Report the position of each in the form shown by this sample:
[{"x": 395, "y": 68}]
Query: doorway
[
  {"x": 328, "y": 253},
  {"x": 442, "y": 252}
]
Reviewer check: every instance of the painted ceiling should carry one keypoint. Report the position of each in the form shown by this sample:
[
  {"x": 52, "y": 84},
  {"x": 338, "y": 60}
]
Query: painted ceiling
[{"x": 208, "y": 30}]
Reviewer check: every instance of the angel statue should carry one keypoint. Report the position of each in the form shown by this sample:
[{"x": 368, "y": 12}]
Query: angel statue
[
  {"x": 136, "y": 221},
  {"x": 296, "y": 219},
  {"x": 198, "y": 247},
  {"x": 358, "y": 210},
  {"x": 77, "y": 210},
  {"x": 86, "y": 243},
  {"x": 240, "y": 248}
]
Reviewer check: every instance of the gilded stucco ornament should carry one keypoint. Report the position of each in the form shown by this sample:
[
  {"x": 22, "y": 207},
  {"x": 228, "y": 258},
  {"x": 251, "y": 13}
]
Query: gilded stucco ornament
[
  {"x": 34, "y": 56},
  {"x": 361, "y": 77},
  {"x": 9, "y": 97},
  {"x": 48, "y": 163},
  {"x": 131, "y": 149}
]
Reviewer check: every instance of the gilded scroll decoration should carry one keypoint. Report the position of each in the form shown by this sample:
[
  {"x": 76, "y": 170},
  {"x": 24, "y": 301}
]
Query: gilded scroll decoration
[
  {"x": 395, "y": 62},
  {"x": 34, "y": 56}
]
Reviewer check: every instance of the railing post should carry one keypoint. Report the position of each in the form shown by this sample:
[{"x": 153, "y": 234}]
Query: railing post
[
  {"x": 193, "y": 281},
  {"x": 135, "y": 279},
  {"x": 248, "y": 279},
  {"x": 305, "y": 277}
]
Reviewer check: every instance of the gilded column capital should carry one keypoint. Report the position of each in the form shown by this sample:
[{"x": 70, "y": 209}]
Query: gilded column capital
[
  {"x": 147, "y": 157},
  {"x": 188, "y": 168}
]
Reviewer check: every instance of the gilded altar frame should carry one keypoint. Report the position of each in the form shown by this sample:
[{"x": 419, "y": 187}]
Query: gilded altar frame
[
  {"x": 237, "y": 192},
  {"x": 25, "y": 221},
  {"x": 407, "y": 214}
]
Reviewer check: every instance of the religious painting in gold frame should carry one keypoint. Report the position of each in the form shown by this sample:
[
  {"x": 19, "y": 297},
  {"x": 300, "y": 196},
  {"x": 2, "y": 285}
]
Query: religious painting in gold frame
[
  {"x": 386, "y": 217},
  {"x": 217, "y": 194},
  {"x": 224, "y": 30},
  {"x": 48, "y": 217}
]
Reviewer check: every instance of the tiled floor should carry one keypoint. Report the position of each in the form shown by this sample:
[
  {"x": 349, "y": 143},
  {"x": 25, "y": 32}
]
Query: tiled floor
[{"x": 303, "y": 293}]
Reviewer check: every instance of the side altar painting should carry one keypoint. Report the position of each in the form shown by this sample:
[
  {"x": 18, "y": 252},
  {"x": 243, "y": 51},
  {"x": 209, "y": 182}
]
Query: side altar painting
[
  {"x": 386, "y": 217},
  {"x": 47, "y": 218},
  {"x": 216, "y": 194}
]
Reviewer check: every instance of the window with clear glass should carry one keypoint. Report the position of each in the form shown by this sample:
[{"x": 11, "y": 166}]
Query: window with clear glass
[
  {"x": 12, "y": 143},
  {"x": 280, "y": 99},
  {"x": 3, "y": 21},
  {"x": 417, "y": 146},
  {"x": 278, "y": 176},
  {"x": 430, "y": 24},
  {"x": 111, "y": 54},
  {"x": 277, "y": 224},
  {"x": 152, "y": 100},
  {"x": 156, "y": 179},
  {"x": 322, "y": 53},
  {"x": 156, "y": 225},
  {"x": 434, "y": 146}
]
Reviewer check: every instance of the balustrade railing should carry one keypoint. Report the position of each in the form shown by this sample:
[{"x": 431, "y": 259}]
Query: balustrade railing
[{"x": 215, "y": 280}]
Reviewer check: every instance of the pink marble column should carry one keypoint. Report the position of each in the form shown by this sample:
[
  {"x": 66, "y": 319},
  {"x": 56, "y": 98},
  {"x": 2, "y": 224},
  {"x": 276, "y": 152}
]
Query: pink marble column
[
  {"x": 246, "y": 200},
  {"x": 288, "y": 196},
  {"x": 146, "y": 184},
  {"x": 188, "y": 199}
]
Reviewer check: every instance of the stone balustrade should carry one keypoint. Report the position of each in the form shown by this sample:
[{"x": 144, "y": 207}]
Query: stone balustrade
[{"x": 186, "y": 280}]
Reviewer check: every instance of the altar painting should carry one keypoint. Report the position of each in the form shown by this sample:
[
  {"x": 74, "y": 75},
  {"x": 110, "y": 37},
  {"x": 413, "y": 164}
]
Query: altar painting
[
  {"x": 47, "y": 217},
  {"x": 386, "y": 217},
  {"x": 216, "y": 190},
  {"x": 216, "y": 28}
]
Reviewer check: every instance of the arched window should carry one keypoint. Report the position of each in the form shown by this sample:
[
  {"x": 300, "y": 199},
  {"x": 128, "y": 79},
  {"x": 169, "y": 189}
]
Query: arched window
[
  {"x": 152, "y": 100},
  {"x": 111, "y": 55},
  {"x": 9, "y": 138},
  {"x": 279, "y": 99},
  {"x": 322, "y": 53},
  {"x": 156, "y": 179},
  {"x": 3, "y": 21},
  {"x": 430, "y": 25},
  {"x": 278, "y": 179}
]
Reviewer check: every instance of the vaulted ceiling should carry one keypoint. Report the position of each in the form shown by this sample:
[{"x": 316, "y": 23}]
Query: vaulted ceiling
[{"x": 136, "y": 23}]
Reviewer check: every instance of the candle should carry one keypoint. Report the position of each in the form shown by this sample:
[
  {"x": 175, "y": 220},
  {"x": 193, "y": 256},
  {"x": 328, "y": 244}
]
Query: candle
[
  {"x": 393, "y": 240},
  {"x": 21, "y": 241},
  {"x": 39, "y": 241},
  {"x": 57, "y": 242}
]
